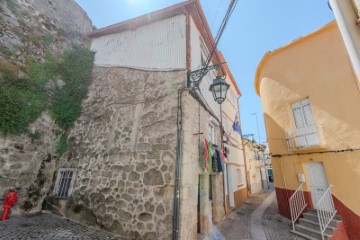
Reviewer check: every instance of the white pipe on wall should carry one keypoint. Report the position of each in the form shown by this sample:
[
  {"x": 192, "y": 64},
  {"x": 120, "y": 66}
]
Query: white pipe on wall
[{"x": 349, "y": 30}]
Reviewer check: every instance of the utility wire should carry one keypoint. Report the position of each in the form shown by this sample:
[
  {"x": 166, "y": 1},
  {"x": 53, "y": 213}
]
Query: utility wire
[{"x": 222, "y": 27}]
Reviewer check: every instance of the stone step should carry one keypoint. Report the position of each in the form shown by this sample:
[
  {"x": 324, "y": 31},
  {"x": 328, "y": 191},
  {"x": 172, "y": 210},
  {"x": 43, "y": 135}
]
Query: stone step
[
  {"x": 303, "y": 235},
  {"x": 314, "y": 217},
  {"x": 311, "y": 232},
  {"x": 314, "y": 212},
  {"x": 315, "y": 225}
]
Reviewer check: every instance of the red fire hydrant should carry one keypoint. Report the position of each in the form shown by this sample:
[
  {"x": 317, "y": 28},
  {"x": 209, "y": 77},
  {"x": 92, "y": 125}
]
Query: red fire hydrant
[{"x": 10, "y": 199}]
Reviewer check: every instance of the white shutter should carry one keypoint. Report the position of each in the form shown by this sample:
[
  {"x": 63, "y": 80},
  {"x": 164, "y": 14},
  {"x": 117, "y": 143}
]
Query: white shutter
[
  {"x": 299, "y": 122},
  {"x": 305, "y": 125},
  {"x": 308, "y": 116}
]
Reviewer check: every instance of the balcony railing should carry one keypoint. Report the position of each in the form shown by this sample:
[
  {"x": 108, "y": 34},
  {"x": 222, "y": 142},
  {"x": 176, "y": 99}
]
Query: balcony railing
[{"x": 307, "y": 137}]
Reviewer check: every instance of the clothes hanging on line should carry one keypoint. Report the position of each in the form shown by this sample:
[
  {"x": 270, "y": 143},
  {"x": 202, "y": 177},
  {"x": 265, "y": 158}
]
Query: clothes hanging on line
[{"x": 214, "y": 159}]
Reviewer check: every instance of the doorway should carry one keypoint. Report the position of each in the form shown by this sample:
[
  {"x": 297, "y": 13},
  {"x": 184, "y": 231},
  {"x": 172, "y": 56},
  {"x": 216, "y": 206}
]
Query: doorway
[{"x": 318, "y": 182}]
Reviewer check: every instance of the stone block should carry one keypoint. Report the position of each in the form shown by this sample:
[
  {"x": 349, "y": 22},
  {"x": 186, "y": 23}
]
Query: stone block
[
  {"x": 153, "y": 177},
  {"x": 145, "y": 217}
]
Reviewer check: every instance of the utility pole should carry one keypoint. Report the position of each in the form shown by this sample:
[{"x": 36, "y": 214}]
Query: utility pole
[{"x": 257, "y": 126}]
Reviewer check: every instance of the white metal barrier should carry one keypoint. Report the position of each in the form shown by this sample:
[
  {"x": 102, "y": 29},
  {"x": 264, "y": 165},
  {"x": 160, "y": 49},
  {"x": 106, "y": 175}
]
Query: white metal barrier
[
  {"x": 326, "y": 210},
  {"x": 297, "y": 204},
  {"x": 306, "y": 137}
]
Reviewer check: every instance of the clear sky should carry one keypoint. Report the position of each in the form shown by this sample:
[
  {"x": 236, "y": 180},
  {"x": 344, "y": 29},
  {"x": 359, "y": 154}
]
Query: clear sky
[{"x": 255, "y": 27}]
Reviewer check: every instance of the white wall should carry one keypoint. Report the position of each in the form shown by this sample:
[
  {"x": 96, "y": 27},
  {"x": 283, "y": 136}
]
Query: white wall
[
  {"x": 159, "y": 45},
  {"x": 196, "y": 64}
]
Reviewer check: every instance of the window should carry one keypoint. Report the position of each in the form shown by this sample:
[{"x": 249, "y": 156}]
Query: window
[
  {"x": 306, "y": 132},
  {"x": 302, "y": 113},
  {"x": 239, "y": 177},
  {"x": 212, "y": 133},
  {"x": 64, "y": 181},
  {"x": 204, "y": 54},
  {"x": 232, "y": 98}
]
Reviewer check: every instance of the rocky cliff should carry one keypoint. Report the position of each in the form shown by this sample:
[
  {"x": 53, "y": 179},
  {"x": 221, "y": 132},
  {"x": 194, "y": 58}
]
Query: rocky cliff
[{"x": 31, "y": 30}]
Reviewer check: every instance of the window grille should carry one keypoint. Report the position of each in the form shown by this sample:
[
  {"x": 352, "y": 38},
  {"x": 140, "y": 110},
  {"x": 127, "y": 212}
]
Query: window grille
[{"x": 64, "y": 182}]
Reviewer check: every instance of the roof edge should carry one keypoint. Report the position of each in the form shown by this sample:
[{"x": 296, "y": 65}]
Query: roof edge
[
  {"x": 140, "y": 20},
  {"x": 269, "y": 54}
]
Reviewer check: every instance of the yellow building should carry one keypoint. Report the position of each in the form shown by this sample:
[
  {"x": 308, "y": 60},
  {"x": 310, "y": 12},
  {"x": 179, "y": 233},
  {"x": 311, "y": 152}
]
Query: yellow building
[{"x": 311, "y": 102}]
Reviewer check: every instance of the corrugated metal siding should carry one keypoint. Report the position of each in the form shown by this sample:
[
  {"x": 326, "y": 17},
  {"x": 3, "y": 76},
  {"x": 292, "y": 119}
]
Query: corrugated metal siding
[{"x": 160, "y": 45}]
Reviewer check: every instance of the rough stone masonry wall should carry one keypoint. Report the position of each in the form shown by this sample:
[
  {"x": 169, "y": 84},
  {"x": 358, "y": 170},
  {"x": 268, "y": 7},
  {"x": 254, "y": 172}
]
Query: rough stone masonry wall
[
  {"x": 28, "y": 161},
  {"x": 195, "y": 130},
  {"x": 124, "y": 152}
]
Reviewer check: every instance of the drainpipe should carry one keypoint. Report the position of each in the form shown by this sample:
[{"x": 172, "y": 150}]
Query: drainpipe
[
  {"x": 176, "y": 206},
  {"x": 349, "y": 30}
]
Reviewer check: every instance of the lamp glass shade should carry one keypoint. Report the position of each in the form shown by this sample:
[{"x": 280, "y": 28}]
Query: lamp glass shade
[{"x": 219, "y": 88}]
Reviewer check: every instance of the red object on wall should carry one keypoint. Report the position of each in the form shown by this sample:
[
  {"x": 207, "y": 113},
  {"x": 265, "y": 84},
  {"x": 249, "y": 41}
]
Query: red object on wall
[{"x": 10, "y": 199}]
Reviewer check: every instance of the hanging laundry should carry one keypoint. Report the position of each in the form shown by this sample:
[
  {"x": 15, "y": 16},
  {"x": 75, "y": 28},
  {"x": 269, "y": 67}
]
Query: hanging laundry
[
  {"x": 215, "y": 160},
  {"x": 206, "y": 153},
  {"x": 223, "y": 160},
  {"x": 219, "y": 161},
  {"x": 210, "y": 170}
]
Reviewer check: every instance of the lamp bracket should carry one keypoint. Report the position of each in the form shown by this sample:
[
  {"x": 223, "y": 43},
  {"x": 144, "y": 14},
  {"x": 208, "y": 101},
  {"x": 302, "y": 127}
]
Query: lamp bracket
[{"x": 195, "y": 77}]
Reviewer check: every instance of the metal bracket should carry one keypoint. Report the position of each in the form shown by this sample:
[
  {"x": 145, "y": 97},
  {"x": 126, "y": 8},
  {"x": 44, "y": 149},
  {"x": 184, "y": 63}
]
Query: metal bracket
[{"x": 194, "y": 77}]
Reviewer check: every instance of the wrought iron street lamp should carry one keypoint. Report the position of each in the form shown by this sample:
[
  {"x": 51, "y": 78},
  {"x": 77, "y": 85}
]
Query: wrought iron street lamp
[{"x": 219, "y": 88}]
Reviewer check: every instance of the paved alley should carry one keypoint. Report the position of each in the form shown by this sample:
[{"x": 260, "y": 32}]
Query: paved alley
[
  {"x": 258, "y": 219},
  {"x": 50, "y": 227}
]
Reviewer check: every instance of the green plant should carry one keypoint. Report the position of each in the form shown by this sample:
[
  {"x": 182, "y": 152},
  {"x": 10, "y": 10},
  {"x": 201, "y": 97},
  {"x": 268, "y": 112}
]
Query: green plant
[
  {"x": 62, "y": 145},
  {"x": 61, "y": 33},
  {"x": 75, "y": 70},
  {"x": 48, "y": 39},
  {"x": 42, "y": 72},
  {"x": 7, "y": 52},
  {"x": 13, "y": 8},
  {"x": 35, "y": 135},
  {"x": 22, "y": 101}
]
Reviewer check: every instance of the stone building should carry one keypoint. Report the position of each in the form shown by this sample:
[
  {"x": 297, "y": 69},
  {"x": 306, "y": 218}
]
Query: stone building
[
  {"x": 256, "y": 176},
  {"x": 140, "y": 118}
]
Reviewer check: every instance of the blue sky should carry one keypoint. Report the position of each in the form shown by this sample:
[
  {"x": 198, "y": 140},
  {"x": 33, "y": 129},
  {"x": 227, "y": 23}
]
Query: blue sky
[{"x": 255, "y": 27}]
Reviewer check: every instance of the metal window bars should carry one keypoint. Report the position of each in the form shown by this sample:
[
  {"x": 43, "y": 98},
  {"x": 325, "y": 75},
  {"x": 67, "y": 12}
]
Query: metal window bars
[{"x": 64, "y": 183}]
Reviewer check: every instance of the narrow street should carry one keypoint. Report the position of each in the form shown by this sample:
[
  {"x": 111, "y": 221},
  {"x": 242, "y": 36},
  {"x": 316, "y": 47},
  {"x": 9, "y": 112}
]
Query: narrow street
[
  {"x": 45, "y": 226},
  {"x": 258, "y": 219}
]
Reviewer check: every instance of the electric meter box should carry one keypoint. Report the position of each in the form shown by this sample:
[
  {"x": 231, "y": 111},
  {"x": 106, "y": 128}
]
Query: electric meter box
[{"x": 301, "y": 177}]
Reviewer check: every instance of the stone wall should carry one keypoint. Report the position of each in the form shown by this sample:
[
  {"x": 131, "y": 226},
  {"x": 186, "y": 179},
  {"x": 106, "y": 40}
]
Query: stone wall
[
  {"x": 31, "y": 28},
  {"x": 124, "y": 151}
]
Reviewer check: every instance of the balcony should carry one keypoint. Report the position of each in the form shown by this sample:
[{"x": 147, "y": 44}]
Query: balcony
[{"x": 305, "y": 138}]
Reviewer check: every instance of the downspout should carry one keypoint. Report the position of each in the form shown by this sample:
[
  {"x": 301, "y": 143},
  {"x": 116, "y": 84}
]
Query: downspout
[
  {"x": 349, "y": 31},
  {"x": 176, "y": 207}
]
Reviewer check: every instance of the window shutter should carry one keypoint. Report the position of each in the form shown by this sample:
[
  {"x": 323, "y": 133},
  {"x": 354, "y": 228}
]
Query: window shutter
[{"x": 309, "y": 119}]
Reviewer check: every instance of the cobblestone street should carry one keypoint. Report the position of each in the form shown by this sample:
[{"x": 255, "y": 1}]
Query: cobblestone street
[
  {"x": 50, "y": 227},
  {"x": 258, "y": 219}
]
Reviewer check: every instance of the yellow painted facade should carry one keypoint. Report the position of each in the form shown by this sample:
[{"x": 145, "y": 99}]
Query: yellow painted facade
[{"x": 315, "y": 67}]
